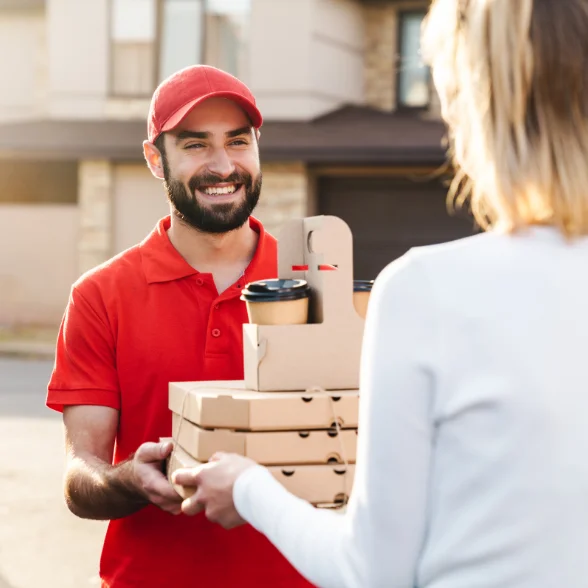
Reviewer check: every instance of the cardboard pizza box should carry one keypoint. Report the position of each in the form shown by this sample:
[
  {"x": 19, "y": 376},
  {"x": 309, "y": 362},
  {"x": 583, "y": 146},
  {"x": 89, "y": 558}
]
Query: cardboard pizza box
[
  {"x": 328, "y": 485},
  {"x": 230, "y": 405},
  {"x": 267, "y": 448}
]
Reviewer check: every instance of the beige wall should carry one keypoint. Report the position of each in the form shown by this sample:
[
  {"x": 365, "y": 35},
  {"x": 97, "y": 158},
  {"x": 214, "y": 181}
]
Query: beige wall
[
  {"x": 139, "y": 202},
  {"x": 279, "y": 58},
  {"x": 23, "y": 66},
  {"x": 309, "y": 59},
  {"x": 127, "y": 108},
  {"x": 337, "y": 51},
  {"x": 38, "y": 263},
  {"x": 78, "y": 57}
]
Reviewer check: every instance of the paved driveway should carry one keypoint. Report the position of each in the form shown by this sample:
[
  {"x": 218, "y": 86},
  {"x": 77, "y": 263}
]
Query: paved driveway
[{"x": 42, "y": 545}]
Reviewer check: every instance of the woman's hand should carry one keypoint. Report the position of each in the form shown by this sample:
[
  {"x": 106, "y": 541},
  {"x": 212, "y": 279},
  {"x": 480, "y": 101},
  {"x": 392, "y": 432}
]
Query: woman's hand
[{"x": 214, "y": 483}]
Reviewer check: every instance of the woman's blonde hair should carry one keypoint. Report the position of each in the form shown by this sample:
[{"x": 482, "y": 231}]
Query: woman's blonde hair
[{"x": 512, "y": 77}]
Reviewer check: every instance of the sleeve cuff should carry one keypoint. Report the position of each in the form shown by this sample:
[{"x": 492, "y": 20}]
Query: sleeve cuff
[{"x": 57, "y": 399}]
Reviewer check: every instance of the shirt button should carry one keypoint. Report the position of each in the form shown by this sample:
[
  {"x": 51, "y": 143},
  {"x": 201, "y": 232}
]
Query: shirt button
[
  {"x": 216, "y": 333},
  {"x": 216, "y": 306},
  {"x": 200, "y": 281}
]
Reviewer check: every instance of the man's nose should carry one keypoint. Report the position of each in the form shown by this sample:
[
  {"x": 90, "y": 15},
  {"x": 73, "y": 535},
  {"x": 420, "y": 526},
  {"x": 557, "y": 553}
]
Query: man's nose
[{"x": 221, "y": 164}]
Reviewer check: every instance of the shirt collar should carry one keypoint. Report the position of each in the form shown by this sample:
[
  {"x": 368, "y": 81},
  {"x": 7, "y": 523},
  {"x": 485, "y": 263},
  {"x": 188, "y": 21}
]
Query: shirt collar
[{"x": 162, "y": 262}]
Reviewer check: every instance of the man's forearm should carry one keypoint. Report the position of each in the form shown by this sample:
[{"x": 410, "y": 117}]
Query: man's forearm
[{"x": 97, "y": 490}]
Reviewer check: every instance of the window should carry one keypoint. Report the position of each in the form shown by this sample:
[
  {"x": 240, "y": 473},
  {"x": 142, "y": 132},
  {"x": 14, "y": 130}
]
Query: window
[
  {"x": 133, "y": 30},
  {"x": 151, "y": 39},
  {"x": 181, "y": 35},
  {"x": 227, "y": 31},
  {"x": 414, "y": 86}
]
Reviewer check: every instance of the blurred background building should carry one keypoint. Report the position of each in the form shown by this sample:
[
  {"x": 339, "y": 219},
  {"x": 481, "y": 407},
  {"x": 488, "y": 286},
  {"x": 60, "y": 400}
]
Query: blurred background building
[{"x": 351, "y": 127}]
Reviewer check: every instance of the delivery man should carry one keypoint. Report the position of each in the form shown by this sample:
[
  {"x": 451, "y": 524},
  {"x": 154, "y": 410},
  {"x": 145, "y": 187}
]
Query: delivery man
[{"x": 168, "y": 309}]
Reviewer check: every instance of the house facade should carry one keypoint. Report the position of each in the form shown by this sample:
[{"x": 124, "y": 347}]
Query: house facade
[{"x": 351, "y": 127}]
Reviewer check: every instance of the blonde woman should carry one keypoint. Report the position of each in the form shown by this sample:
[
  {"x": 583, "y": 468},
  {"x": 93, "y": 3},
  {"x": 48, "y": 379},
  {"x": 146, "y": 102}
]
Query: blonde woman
[{"x": 472, "y": 467}]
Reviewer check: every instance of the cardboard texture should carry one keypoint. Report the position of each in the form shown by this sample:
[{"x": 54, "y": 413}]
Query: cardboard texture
[
  {"x": 282, "y": 447},
  {"x": 326, "y": 352},
  {"x": 229, "y": 405},
  {"x": 317, "y": 484}
]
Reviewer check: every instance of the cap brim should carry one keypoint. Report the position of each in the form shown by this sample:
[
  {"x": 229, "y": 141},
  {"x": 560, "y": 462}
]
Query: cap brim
[{"x": 250, "y": 108}]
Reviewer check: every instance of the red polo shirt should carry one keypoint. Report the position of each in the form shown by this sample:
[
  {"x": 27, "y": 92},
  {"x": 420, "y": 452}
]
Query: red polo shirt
[{"x": 132, "y": 325}]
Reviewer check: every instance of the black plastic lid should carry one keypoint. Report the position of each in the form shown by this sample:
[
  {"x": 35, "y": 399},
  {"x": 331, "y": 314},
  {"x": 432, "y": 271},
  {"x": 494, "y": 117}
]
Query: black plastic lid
[
  {"x": 362, "y": 285},
  {"x": 275, "y": 290}
]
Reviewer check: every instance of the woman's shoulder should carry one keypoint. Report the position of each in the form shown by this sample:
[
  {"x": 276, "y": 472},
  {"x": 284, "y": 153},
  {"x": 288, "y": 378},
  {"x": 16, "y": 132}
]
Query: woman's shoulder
[
  {"x": 450, "y": 273},
  {"x": 448, "y": 256},
  {"x": 481, "y": 244}
]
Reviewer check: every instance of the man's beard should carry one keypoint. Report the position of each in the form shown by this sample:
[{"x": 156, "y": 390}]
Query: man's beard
[{"x": 216, "y": 218}]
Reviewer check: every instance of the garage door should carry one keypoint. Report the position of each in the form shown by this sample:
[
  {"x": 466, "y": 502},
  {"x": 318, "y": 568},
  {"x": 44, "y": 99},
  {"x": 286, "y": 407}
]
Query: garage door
[{"x": 388, "y": 216}]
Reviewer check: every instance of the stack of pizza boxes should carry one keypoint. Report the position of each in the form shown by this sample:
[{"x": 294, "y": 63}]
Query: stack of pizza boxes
[{"x": 296, "y": 411}]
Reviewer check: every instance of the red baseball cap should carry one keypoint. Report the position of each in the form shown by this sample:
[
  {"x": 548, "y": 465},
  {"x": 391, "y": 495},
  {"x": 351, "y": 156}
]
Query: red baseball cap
[{"x": 177, "y": 95}]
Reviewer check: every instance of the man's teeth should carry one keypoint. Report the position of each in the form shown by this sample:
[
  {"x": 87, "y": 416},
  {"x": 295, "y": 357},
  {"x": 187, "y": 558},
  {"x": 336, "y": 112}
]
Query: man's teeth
[{"x": 216, "y": 191}]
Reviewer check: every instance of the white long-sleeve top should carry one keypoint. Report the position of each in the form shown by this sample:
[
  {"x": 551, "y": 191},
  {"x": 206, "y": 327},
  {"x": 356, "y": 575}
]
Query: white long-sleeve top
[{"x": 472, "y": 465}]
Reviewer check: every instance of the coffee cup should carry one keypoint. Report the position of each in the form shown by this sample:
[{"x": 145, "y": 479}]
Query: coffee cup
[
  {"x": 361, "y": 295},
  {"x": 277, "y": 302}
]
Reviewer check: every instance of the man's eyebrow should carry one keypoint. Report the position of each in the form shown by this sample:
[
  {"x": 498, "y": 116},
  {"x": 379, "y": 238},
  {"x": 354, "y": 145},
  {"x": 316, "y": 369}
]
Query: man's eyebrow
[
  {"x": 191, "y": 135},
  {"x": 237, "y": 132},
  {"x": 183, "y": 135}
]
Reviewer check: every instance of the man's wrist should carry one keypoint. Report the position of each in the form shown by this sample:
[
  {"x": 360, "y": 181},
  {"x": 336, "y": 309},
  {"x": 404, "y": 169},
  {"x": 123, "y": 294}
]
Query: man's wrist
[{"x": 123, "y": 478}]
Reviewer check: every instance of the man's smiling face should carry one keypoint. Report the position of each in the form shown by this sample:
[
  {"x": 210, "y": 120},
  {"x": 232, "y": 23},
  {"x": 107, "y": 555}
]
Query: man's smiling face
[{"x": 211, "y": 167}]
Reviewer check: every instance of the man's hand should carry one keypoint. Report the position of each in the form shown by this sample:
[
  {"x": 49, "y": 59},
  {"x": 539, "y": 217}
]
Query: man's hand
[
  {"x": 149, "y": 479},
  {"x": 96, "y": 489},
  {"x": 214, "y": 482}
]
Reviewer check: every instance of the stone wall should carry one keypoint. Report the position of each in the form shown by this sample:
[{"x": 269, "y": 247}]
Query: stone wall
[
  {"x": 381, "y": 26},
  {"x": 95, "y": 213},
  {"x": 284, "y": 196}
]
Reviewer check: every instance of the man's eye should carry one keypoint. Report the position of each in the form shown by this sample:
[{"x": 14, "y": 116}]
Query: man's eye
[
  {"x": 193, "y": 145},
  {"x": 239, "y": 142}
]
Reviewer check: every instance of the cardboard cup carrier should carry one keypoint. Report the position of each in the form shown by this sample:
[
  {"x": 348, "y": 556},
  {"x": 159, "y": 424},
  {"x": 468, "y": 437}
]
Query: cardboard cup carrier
[{"x": 325, "y": 352}]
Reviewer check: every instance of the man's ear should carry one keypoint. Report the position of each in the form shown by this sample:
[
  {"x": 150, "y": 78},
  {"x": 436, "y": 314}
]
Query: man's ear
[
  {"x": 154, "y": 159},
  {"x": 257, "y": 135}
]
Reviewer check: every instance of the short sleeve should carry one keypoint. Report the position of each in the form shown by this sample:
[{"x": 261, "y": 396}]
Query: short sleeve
[{"x": 85, "y": 362}]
